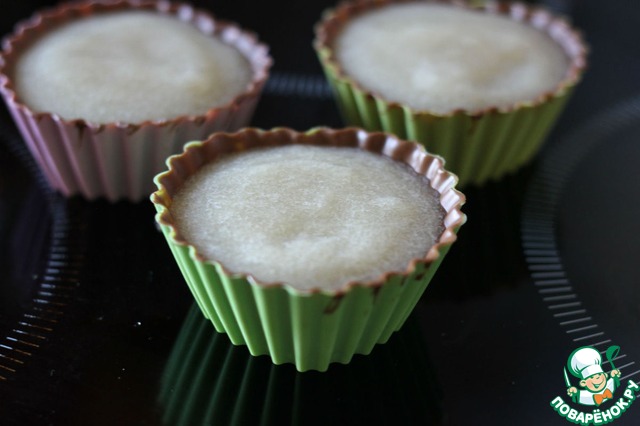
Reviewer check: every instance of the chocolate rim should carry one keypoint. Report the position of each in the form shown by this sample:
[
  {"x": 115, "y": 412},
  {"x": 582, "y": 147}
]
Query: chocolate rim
[
  {"x": 196, "y": 154},
  {"x": 29, "y": 30},
  {"x": 567, "y": 37}
]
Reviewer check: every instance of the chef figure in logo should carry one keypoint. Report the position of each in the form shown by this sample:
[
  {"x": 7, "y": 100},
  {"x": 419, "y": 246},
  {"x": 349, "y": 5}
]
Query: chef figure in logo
[{"x": 586, "y": 364}]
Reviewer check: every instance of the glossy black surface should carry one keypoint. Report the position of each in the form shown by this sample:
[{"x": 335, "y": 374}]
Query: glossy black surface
[{"x": 97, "y": 326}]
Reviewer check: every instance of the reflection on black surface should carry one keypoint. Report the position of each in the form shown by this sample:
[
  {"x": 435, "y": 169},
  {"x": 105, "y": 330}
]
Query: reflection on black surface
[
  {"x": 207, "y": 380},
  {"x": 24, "y": 225},
  {"x": 600, "y": 249},
  {"x": 25, "y": 220}
]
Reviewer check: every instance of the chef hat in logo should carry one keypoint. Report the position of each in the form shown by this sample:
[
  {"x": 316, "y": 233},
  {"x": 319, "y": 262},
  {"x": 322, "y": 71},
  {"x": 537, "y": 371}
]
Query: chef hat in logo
[{"x": 585, "y": 362}]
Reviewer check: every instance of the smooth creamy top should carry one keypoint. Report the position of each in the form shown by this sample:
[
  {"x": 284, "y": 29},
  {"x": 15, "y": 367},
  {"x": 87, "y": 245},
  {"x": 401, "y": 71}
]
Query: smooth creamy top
[
  {"x": 130, "y": 67},
  {"x": 311, "y": 217},
  {"x": 440, "y": 58}
]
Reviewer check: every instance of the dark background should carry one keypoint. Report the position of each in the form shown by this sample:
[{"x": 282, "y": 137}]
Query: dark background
[{"x": 97, "y": 327}]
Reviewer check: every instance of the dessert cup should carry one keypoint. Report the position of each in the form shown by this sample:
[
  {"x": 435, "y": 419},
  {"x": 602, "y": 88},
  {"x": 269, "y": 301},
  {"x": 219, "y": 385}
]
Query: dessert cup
[
  {"x": 118, "y": 160},
  {"x": 478, "y": 145},
  {"x": 315, "y": 327}
]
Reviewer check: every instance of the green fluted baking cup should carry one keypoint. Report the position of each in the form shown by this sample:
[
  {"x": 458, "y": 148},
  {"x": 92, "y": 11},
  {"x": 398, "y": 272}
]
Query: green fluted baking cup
[
  {"x": 478, "y": 146},
  {"x": 310, "y": 329}
]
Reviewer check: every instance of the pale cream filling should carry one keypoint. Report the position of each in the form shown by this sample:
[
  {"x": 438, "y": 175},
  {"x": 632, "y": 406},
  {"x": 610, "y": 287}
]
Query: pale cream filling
[
  {"x": 310, "y": 217},
  {"x": 441, "y": 58},
  {"x": 129, "y": 67}
]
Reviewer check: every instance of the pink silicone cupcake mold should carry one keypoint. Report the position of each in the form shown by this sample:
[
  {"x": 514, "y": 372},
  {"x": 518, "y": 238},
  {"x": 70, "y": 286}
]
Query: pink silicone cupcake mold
[{"x": 119, "y": 160}]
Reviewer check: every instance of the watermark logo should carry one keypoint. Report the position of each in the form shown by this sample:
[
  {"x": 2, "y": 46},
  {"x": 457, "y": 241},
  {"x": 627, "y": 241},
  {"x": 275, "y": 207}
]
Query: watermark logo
[{"x": 594, "y": 388}]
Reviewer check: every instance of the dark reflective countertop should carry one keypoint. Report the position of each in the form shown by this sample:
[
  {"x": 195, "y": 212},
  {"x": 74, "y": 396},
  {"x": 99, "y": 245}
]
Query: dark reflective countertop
[{"x": 98, "y": 328}]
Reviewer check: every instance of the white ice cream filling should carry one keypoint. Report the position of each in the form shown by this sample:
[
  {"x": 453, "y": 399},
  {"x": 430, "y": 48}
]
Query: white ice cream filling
[
  {"x": 310, "y": 217},
  {"x": 441, "y": 58},
  {"x": 129, "y": 67}
]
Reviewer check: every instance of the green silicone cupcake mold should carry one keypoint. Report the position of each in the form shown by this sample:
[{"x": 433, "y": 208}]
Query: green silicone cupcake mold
[
  {"x": 314, "y": 328},
  {"x": 478, "y": 146}
]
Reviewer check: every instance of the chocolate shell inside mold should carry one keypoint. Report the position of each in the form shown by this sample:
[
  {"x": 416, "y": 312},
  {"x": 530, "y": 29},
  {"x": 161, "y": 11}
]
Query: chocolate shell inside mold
[
  {"x": 30, "y": 30},
  {"x": 197, "y": 154},
  {"x": 557, "y": 28}
]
